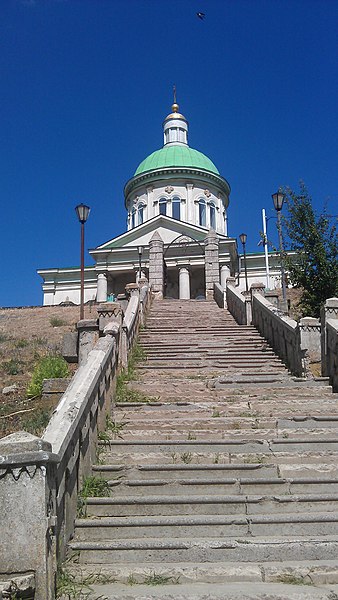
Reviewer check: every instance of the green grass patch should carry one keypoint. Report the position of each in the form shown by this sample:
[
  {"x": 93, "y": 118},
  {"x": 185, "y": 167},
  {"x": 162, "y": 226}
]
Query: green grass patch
[{"x": 48, "y": 367}]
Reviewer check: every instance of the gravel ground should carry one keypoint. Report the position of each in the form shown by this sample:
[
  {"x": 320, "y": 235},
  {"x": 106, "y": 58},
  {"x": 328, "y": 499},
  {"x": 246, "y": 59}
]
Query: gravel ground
[{"x": 27, "y": 334}]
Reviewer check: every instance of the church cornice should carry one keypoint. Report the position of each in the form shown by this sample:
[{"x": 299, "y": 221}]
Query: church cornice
[{"x": 187, "y": 173}]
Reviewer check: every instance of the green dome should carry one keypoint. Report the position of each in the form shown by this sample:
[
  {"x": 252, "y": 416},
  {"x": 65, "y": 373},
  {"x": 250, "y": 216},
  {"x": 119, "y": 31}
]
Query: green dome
[{"x": 176, "y": 156}]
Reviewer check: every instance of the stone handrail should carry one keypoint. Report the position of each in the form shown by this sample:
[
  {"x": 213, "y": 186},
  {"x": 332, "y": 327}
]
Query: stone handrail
[
  {"x": 329, "y": 341},
  {"x": 238, "y": 305},
  {"x": 332, "y": 352},
  {"x": 280, "y": 331},
  {"x": 219, "y": 295},
  {"x": 40, "y": 478}
]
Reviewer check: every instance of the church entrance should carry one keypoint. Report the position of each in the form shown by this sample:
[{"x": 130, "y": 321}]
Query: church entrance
[{"x": 184, "y": 269}]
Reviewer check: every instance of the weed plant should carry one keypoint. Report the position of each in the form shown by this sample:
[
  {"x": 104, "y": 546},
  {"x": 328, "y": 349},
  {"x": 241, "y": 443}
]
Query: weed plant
[
  {"x": 94, "y": 486},
  {"x": 291, "y": 579},
  {"x": 123, "y": 393},
  {"x": 21, "y": 343},
  {"x": 37, "y": 423},
  {"x": 78, "y": 588},
  {"x": 158, "y": 579}
]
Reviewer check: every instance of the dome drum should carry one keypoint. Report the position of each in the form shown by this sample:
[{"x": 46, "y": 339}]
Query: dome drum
[{"x": 179, "y": 182}]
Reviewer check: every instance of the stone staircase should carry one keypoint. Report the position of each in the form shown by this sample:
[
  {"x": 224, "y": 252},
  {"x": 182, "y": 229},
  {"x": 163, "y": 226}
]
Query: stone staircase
[{"x": 224, "y": 481}]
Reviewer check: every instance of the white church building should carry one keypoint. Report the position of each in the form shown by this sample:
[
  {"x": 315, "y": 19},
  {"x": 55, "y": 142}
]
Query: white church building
[{"x": 177, "y": 205}]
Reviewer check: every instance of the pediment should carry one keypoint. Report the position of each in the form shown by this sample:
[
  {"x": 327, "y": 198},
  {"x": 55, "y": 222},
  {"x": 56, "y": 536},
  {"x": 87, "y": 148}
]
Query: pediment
[{"x": 167, "y": 227}]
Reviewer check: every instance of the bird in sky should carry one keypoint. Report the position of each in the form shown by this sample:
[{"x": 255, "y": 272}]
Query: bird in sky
[{"x": 200, "y": 15}]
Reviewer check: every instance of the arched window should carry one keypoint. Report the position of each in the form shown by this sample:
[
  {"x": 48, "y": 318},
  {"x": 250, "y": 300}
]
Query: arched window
[
  {"x": 140, "y": 211},
  {"x": 202, "y": 212},
  {"x": 176, "y": 207},
  {"x": 212, "y": 216},
  {"x": 133, "y": 216},
  {"x": 163, "y": 206}
]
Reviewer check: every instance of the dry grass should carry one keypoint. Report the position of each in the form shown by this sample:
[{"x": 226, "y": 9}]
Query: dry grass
[{"x": 27, "y": 334}]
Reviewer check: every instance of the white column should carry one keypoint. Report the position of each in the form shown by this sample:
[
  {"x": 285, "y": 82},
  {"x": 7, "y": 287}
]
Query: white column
[
  {"x": 102, "y": 288},
  {"x": 150, "y": 208},
  {"x": 225, "y": 273},
  {"x": 190, "y": 216},
  {"x": 184, "y": 283}
]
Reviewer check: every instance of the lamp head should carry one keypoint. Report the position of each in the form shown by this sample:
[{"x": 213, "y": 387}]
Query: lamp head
[
  {"x": 140, "y": 250},
  {"x": 278, "y": 200},
  {"x": 82, "y": 212},
  {"x": 243, "y": 237}
]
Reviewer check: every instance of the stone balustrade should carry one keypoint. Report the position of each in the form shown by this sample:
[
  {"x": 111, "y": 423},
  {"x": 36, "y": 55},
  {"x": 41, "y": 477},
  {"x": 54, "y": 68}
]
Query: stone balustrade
[
  {"x": 238, "y": 305},
  {"x": 281, "y": 332},
  {"x": 40, "y": 478},
  {"x": 297, "y": 344}
]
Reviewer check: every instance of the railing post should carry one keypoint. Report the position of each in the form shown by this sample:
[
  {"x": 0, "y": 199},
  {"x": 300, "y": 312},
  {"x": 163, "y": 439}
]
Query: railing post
[
  {"x": 256, "y": 289},
  {"x": 88, "y": 331},
  {"x": 329, "y": 311},
  {"x": 28, "y": 510},
  {"x": 211, "y": 263},
  {"x": 156, "y": 266},
  {"x": 310, "y": 338}
]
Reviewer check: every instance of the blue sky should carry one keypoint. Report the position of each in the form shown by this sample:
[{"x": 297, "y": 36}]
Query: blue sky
[{"x": 86, "y": 85}]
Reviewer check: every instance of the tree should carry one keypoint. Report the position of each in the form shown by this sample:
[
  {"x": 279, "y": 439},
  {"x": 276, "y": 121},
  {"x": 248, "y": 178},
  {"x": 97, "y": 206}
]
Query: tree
[{"x": 314, "y": 238}]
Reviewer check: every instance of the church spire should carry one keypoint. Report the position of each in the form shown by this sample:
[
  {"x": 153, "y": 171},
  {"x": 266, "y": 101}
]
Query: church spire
[{"x": 175, "y": 126}]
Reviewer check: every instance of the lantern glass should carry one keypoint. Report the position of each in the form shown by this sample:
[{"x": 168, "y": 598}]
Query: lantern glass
[
  {"x": 82, "y": 212},
  {"x": 278, "y": 200},
  {"x": 140, "y": 249},
  {"x": 243, "y": 237}
]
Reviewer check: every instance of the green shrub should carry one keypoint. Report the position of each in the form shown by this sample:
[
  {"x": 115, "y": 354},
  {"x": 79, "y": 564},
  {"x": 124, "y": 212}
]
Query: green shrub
[
  {"x": 56, "y": 322},
  {"x": 48, "y": 367},
  {"x": 12, "y": 367}
]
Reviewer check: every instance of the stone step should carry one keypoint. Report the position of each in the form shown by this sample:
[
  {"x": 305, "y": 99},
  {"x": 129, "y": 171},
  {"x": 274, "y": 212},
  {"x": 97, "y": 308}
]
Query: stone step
[
  {"x": 206, "y": 364},
  {"x": 215, "y": 591},
  {"x": 227, "y": 486},
  {"x": 242, "y": 549},
  {"x": 153, "y": 505},
  {"x": 214, "y": 455},
  {"x": 180, "y": 470},
  {"x": 207, "y": 526},
  {"x": 216, "y": 434},
  {"x": 205, "y": 352},
  {"x": 230, "y": 445},
  {"x": 214, "y": 420},
  {"x": 315, "y": 572}
]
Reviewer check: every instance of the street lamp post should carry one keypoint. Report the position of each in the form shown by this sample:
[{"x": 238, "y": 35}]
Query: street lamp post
[
  {"x": 278, "y": 200},
  {"x": 82, "y": 212},
  {"x": 243, "y": 237},
  {"x": 140, "y": 252},
  {"x": 266, "y": 250}
]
